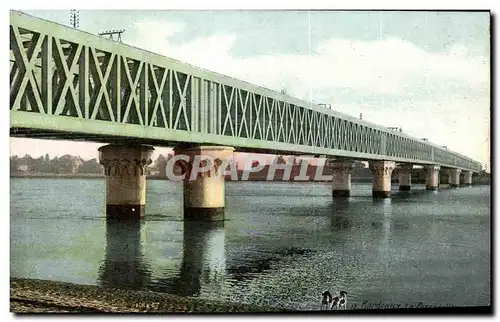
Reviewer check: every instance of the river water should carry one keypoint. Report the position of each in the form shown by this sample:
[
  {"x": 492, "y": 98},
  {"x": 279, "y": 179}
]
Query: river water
[{"x": 281, "y": 245}]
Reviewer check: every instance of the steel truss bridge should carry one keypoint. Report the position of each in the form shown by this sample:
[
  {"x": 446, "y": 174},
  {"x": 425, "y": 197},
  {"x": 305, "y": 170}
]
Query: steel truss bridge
[{"x": 69, "y": 84}]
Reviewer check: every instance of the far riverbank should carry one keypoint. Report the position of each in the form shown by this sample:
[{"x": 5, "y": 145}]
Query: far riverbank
[{"x": 478, "y": 180}]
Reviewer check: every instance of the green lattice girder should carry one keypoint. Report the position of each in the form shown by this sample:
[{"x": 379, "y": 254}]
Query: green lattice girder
[{"x": 63, "y": 80}]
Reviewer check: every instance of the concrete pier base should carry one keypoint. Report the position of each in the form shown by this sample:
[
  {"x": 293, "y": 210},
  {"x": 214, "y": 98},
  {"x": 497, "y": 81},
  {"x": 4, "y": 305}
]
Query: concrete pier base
[
  {"x": 381, "y": 174},
  {"x": 404, "y": 171},
  {"x": 125, "y": 169},
  {"x": 381, "y": 194},
  {"x": 468, "y": 178},
  {"x": 341, "y": 193},
  {"x": 203, "y": 214},
  {"x": 125, "y": 211},
  {"x": 454, "y": 179},
  {"x": 432, "y": 177},
  {"x": 341, "y": 182},
  {"x": 162, "y": 168},
  {"x": 204, "y": 191}
]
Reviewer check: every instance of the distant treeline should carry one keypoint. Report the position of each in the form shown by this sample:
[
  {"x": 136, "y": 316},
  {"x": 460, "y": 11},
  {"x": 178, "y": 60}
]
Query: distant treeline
[
  {"x": 57, "y": 165},
  {"x": 70, "y": 164},
  {"x": 66, "y": 164}
]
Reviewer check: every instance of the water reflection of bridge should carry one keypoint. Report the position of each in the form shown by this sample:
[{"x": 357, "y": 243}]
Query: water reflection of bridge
[
  {"x": 126, "y": 267},
  {"x": 204, "y": 261}
]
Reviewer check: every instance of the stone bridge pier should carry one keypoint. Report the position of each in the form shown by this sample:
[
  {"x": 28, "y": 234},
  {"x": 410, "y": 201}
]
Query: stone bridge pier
[
  {"x": 404, "y": 172},
  {"x": 432, "y": 177},
  {"x": 162, "y": 169},
  {"x": 341, "y": 182},
  {"x": 468, "y": 178},
  {"x": 204, "y": 183},
  {"x": 125, "y": 169},
  {"x": 454, "y": 178},
  {"x": 381, "y": 174}
]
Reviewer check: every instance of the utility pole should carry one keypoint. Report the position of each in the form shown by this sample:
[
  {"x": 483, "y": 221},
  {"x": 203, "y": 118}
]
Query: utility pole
[
  {"x": 112, "y": 34},
  {"x": 74, "y": 18}
]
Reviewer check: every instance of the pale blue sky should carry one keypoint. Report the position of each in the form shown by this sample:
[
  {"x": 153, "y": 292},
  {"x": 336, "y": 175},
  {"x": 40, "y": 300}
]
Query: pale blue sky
[
  {"x": 261, "y": 32},
  {"x": 427, "y": 72}
]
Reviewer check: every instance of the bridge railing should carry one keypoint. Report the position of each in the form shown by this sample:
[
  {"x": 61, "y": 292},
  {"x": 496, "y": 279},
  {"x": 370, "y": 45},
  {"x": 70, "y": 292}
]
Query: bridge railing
[{"x": 64, "y": 72}]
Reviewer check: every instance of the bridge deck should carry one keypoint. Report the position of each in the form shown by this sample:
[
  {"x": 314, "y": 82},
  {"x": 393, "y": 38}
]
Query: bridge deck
[{"x": 68, "y": 84}]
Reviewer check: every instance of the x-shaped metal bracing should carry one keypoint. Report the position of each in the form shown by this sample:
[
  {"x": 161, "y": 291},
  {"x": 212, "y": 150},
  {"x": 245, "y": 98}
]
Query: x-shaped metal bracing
[
  {"x": 156, "y": 94},
  {"x": 258, "y": 111},
  {"x": 269, "y": 112},
  {"x": 182, "y": 104},
  {"x": 228, "y": 110},
  {"x": 133, "y": 83},
  {"x": 25, "y": 61},
  {"x": 101, "y": 82},
  {"x": 244, "y": 107}
]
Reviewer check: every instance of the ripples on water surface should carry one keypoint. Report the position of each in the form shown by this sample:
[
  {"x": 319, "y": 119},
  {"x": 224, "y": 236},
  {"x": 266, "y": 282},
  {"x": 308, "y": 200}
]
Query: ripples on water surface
[{"x": 281, "y": 245}]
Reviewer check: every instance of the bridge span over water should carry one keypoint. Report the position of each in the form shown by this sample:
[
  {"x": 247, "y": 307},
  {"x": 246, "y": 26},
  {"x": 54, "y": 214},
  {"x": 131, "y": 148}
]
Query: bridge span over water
[{"x": 72, "y": 85}]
